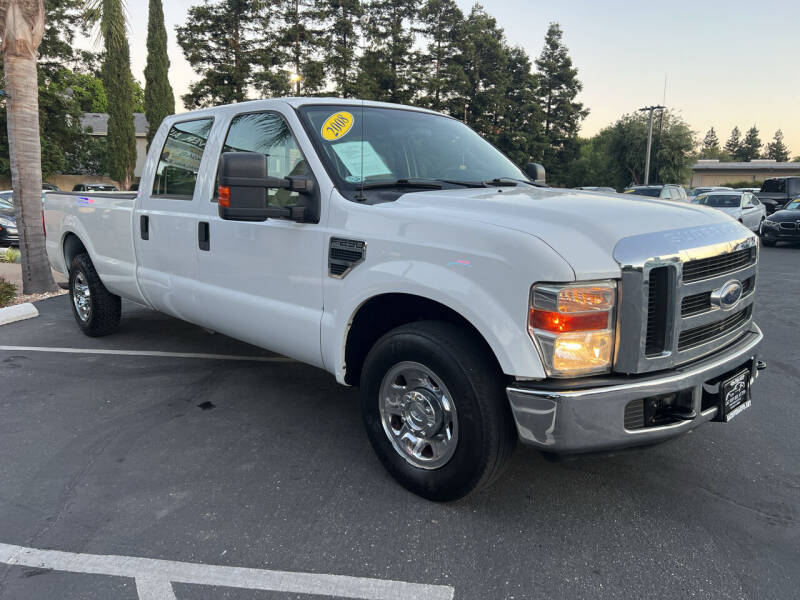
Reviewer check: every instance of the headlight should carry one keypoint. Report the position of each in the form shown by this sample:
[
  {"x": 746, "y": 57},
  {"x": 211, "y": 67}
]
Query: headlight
[
  {"x": 7, "y": 222},
  {"x": 769, "y": 223},
  {"x": 573, "y": 326}
]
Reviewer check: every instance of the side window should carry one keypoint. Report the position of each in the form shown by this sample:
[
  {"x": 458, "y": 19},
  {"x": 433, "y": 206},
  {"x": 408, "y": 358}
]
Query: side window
[
  {"x": 176, "y": 174},
  {"x": 268, "y": 133},
  {"x": 673, "y": 194}
]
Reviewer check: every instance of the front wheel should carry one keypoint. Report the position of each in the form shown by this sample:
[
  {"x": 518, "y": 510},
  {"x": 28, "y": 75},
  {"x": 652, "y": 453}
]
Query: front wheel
[
  {"x": 96, "y": 310},
  {"x": 435, "y": 410}
]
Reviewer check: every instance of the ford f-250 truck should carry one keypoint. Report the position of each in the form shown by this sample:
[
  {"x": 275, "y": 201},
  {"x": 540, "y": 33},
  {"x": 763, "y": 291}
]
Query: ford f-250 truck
[{"x": 398, "y": 250}]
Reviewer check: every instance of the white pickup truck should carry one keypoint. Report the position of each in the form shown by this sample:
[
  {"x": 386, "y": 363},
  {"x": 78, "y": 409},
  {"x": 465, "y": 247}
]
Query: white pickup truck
[{"x": 401, "y": 252}]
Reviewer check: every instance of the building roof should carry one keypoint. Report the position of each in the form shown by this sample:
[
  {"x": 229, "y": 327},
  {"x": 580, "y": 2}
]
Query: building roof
[
  {"x": 98, "y": 123},
  {"x": 755, "y": 165}
]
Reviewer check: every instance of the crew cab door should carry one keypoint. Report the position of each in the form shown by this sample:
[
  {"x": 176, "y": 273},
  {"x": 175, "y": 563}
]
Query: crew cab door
[
  {"x": 166, "y": 216},
  {"x": 261, "y": 282}
]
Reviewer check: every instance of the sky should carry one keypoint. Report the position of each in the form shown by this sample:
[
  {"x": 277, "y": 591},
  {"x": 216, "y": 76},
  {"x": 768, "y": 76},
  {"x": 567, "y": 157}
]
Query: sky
[{"x": 726, "y": 63}]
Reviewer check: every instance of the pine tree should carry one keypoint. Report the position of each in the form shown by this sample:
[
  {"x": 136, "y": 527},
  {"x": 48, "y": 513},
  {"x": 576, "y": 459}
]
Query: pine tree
[
  {"x": 521, "y": 133},
  {"x": 385, "y": 67},
  {"x": 159, "y": 101},
  {"x": 340, "y": 40},
  {"x": 733, "y": 146},
  {"x": 710, "y": 147},
  {"x": 300, "y": 42},
  {"x": 118, "y": 82},
  {"x": 776, "y": 149},
  {"x": 230, "y": 44},
  {"x": 558, "y": 87},
  {"x": 441, "y": 76},
  {"x": 751, "y": 146}
]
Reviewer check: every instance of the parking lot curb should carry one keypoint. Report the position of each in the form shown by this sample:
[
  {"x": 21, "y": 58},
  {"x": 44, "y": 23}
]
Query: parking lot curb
[{"x": 18, "y": 312}]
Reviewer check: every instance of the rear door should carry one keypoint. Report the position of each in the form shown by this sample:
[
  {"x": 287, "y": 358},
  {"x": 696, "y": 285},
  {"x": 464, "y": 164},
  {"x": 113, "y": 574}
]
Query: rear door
[
  {"x": 261, "y": 282},
  {"x": 166, "y": 217}
]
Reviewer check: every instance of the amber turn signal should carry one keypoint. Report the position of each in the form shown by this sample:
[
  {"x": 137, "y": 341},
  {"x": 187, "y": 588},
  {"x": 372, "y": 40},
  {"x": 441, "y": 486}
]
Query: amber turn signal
[{"x": 224, "y": 196}]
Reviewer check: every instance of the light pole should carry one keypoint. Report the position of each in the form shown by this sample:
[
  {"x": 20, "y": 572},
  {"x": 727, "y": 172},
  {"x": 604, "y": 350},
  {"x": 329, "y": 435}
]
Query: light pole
[{"x": 649, "y": 140}]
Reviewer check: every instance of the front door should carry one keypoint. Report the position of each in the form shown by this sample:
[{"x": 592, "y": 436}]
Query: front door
[{"x": 261, "y": 282}]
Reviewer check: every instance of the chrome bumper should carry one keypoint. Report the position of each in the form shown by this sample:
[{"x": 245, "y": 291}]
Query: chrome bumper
[{"x": 566, "y": 421}]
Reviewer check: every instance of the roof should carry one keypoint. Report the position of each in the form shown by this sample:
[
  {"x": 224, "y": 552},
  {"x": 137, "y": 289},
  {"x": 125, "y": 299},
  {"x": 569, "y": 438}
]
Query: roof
[
  {"x": 98, "y": 123},
  {"x": 756, "y": 165}
]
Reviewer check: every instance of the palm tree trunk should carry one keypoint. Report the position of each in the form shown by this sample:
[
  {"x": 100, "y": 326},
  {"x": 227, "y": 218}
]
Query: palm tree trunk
[{"x": 22, "y": 110}]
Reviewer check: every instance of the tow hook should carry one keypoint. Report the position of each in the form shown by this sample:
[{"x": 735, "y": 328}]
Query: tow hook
[{"x": 760, "y": 365}]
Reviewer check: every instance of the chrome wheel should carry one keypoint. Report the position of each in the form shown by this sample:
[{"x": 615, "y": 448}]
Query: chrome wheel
[
  {"x": 81, "y": 297},
  {"x": 418, "y": 415}
]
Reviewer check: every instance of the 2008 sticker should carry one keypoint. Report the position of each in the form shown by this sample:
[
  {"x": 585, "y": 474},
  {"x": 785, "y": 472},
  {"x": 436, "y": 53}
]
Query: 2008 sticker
[{"x": 336, "y": 126}]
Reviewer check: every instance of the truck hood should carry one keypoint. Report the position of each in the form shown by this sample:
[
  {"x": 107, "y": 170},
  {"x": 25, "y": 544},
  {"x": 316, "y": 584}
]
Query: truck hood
[{"x": 583, "y": 227}]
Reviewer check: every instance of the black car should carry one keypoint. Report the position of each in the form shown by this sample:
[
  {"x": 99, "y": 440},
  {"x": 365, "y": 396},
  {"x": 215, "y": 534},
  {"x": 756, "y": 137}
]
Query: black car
[
  {"x": 782, "y": 225},
  {"x": 95, "y": 187},
  {"x": 9, "y": 236},
  {"x": 777, "y": 191}
]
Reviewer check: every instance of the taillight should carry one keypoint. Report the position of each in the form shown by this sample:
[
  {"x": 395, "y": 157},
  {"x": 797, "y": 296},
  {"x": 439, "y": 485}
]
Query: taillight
[
  {"x": 573, "y": 326},
  {"x": 44, "y": 229},
  {"x": 224, "y": 196}
]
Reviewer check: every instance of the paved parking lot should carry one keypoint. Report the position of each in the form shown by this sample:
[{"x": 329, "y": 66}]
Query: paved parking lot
[{"x": 166, "y": 446}]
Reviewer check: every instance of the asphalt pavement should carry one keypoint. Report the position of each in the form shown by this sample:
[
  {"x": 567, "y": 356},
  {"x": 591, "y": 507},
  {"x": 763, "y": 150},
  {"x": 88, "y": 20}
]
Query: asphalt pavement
[{"x": 184, "y": 453}]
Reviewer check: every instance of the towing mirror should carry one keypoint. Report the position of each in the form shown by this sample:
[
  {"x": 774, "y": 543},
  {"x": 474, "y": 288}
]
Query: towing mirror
[
  {"x": 243, "y": 184},
  {"x": 535, "y": 171}
]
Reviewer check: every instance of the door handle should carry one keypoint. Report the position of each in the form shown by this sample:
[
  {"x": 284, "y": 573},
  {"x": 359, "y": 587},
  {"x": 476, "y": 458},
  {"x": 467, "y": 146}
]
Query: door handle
[
  {"x": 203, "y": 236},
  {"x": 144, "y": 227}
]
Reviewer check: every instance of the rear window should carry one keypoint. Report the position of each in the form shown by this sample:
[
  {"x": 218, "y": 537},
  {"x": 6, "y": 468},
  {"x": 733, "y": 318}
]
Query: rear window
[
  {"x": 652, "y": 192},
  {"x": 176, "y": 174},
  {"x": 777, "y": 186},
  {"x": 720, "y": 201}
]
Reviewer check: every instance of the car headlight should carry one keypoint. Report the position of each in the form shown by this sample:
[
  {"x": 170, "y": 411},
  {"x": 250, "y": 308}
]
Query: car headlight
[
  {"x": 573, "y": 326},
  {"x": 770, "y": 223},
  {"x": 7, "y": 222}
]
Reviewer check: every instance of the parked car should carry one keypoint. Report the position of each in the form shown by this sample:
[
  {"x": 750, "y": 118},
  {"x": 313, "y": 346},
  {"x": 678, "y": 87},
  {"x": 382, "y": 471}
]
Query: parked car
[
  {"x": 8, "y": 196},
  {"x": 9, "y": 235},
  {"x": 95, "y": 187},
  {"x": 50, "y": 187},
  {"x": 397, "y": 249},
  {"x": 668, "y": 191},
  {"x": 695, "y": 192},
  {"x": 777, "y": 191},
  {"x": 608, "y": 190},
  {"x": 782, "y": 225},
  {"x": 750, "y": 189},
  {"x": 742, "y": 206}
]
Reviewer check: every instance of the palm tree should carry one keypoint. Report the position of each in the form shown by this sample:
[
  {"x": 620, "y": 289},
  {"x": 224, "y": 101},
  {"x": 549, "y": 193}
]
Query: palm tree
[{"x": 22, "y": 27}]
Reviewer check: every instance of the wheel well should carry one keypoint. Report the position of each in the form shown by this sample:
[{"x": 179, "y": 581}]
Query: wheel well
[
  {"x": 72, "y": 247},
  {"x": 381, "y": 314}
]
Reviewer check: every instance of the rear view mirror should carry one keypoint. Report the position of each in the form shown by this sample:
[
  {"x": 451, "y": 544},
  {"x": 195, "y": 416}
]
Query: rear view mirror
[
  {"x": 243, "y": 184},
  {"x": 535, "y": 171}
]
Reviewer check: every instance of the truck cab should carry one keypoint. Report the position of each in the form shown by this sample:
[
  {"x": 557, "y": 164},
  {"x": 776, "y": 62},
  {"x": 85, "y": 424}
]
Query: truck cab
[{"x": 397, "y": 249}]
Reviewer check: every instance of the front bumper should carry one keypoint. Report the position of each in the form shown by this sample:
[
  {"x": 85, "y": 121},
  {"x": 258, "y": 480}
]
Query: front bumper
[
  {"x": 8, "y": 237},
  {"x": 571, "y": 420}
]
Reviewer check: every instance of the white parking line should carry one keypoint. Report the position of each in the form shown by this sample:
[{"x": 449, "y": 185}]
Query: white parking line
[
  {"x": 146, "y": 353},
  {"x": 154, "y": 577}
]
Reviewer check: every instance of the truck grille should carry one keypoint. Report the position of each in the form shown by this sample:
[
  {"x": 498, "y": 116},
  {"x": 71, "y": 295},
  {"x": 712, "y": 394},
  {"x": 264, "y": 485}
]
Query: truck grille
[
  {"x": 695, "y": 270},
  {"x": 706, "y": 333},
  {"x": 667, "y": 317}
]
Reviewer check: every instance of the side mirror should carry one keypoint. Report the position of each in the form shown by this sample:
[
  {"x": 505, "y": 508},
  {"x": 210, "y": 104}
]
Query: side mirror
[
  {"x": 535, "y": 171},
  {"x": 243, "y": 184}
]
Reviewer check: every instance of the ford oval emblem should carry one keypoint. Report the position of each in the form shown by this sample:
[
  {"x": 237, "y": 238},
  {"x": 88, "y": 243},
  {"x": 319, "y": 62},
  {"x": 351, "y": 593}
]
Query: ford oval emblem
[{"x": 728, "y": 296}]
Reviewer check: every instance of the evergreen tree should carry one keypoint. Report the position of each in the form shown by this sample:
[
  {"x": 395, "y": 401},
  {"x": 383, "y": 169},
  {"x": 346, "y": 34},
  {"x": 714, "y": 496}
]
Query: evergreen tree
[
  {"x": 521, "y": 133},
  {"x": 118, "y": 82},
  {"x": 385, "y": 67},
  {"x": 300, "y": 42},
  {"x": 734, "y": 144},
  {"x": 751, "y": 146},
  {"x": 441, "y": 75},
  {"x": 229, "y": 44},
  {"x": 776, "y": 149},
  {"x": 159, "y": 101},
  {"x": 710, "y": 147},
  {"x": 558, "y": 87},
  {"x": 340, "y": 40}
]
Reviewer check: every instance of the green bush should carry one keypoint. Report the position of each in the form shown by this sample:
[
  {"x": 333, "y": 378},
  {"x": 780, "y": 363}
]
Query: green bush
[
  {"x": 743, "y": 184},
  {"x": 8, "y": 291},
  {"x": 10, "y": 255}
]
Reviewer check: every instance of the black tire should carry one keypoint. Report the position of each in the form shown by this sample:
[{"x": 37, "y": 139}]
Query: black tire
[
  {"x": 486, "y": 431},
  {"x": 104, "y": 308}
]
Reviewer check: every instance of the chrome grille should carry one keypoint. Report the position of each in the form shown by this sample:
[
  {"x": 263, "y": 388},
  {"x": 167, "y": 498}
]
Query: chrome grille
[
  {"x": 667, "y": 315},
  {"x": 703, "y": 268}
]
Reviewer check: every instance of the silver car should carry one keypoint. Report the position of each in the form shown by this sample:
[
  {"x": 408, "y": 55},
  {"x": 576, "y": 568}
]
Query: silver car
[{"x": 742, "y": 206}]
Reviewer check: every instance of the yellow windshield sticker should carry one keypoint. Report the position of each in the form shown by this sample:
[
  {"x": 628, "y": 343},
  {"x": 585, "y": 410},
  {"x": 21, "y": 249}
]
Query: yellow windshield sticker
[{"x": 337, "y": 126}]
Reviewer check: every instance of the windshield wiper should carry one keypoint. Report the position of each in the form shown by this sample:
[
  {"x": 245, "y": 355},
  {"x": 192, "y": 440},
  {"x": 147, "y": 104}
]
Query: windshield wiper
[
  {"x": 509, "y": 181},
  {"x": 408, "y": 183}
]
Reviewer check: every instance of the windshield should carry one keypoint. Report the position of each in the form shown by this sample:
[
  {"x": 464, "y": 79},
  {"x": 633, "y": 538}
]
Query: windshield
[
  {"x": 793, "y": 205},
  {"x": 653, "y": 192},
  {"x": 364, "y": 145},
  {"x": 720, "y": 201}
]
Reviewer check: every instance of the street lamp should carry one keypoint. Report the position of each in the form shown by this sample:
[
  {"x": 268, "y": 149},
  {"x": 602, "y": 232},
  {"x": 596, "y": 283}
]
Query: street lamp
[{"x": 649, "y": 140}]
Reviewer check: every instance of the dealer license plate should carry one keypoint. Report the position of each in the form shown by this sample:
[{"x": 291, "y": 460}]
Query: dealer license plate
[{"x": 735, "y": 395}]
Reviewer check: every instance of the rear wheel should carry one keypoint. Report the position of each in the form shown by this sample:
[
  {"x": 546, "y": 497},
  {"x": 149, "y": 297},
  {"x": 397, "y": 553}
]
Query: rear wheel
[
  {"x": 96, "y": 310},
  {"x": 435, "y": 410}
]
